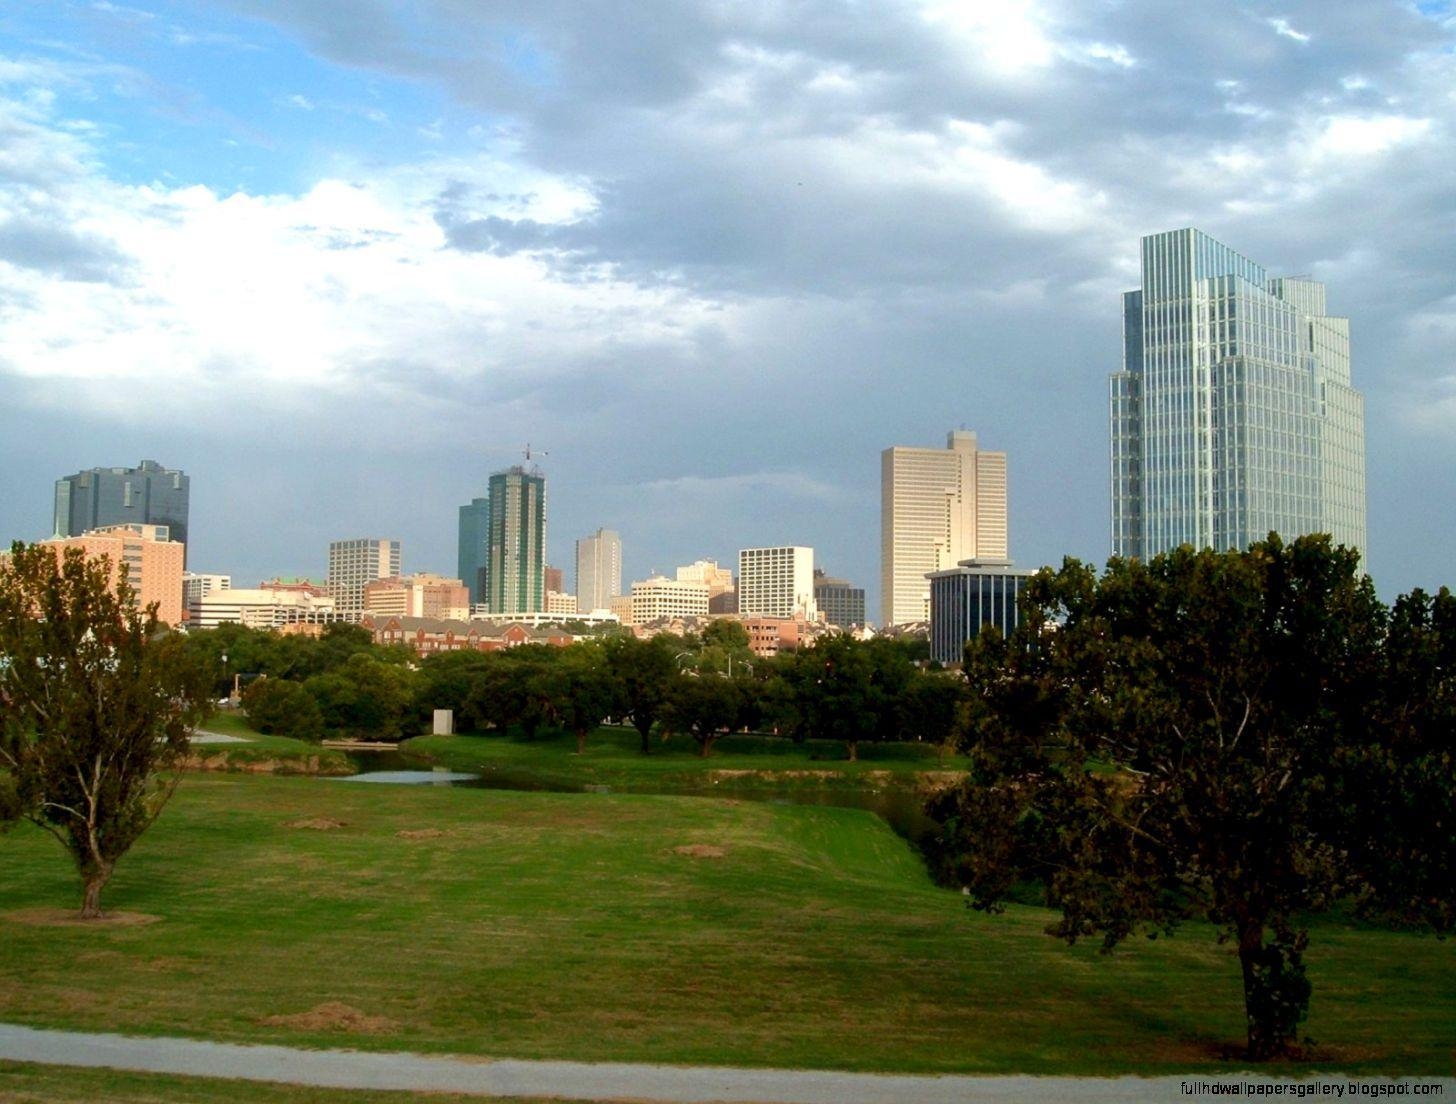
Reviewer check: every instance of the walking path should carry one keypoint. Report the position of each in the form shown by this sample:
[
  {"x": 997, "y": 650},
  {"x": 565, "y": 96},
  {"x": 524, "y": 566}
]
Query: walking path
[{"x": 613, "y": 1081}]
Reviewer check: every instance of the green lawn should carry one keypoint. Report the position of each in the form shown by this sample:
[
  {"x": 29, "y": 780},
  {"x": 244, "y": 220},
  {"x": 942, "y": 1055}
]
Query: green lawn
[
  {"x": 639, "y": 928},
  {"x": 613, "y": 758},
  {"x": 280, "y": 754}
]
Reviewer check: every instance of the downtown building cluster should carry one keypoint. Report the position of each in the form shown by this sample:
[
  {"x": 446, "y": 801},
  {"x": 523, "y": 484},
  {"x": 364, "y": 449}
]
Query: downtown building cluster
[{"x": 1233, "y": 415}]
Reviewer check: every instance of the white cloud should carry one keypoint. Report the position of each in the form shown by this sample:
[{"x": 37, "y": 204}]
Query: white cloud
[
  {"x": 971, "y": 159},
  {"x": 1282, "y": 27},
  {"x": 222, "y": 302},
  {"x": 1342, "y": 136},
  {"x": 1011, "y": 38}
]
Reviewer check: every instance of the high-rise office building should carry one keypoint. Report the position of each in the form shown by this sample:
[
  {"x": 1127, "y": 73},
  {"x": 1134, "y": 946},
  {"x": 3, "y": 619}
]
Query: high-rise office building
[
  {"x": 937, "y": 507},
  {"x": 598, "y": 569},
  {"x": 474, "y": 535},
  {"x": 514, "y": 576},
  {"x": 1233, "y": 415},
  {"x": 147, "y": 494},
  {"x": 777, "y": 582},
  {"x": 840, "y": 603},
  {"x": 353, "y": 563}
]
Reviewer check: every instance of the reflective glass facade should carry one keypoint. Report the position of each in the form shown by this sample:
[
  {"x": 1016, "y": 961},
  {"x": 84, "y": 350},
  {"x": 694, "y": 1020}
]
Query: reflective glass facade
[
  {"x": 1233, "y": 415},
  {"x": 147, "y": 494},
  {"x": 474, "y": 533},
  {"x": 514, "y": 576}
]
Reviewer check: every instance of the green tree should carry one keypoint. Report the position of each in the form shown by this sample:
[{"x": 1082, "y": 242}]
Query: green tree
[
  {"x": 849, "y": 691},
  {"x": 1163, "y": 742},
  {"x": 644, "y": 671},
  {"x": 98, "y": 704},
  {"x": 365, "y": 699},
  {"x": 1400, "y": 782},
  {"x": 933, "y": 710},
  {"x": 447, "y": 680},
  {"x": 513, "y": 688},
  {"x": 704, "y": 706},
  {"x": 581, "y": 689},
  {"x": 279, "y": 705}
]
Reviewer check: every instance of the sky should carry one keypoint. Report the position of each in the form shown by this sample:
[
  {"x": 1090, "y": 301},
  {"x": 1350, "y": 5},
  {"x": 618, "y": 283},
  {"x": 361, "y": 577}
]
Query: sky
[{"x": 339, "y": 261}]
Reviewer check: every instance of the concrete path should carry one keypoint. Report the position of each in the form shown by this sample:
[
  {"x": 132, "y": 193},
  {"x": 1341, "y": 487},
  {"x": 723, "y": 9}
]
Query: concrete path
[{"x": 621, "y": 1081}]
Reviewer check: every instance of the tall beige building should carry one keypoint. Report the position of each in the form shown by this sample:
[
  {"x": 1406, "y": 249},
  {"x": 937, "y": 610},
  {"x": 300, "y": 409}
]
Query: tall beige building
[{"x": 937, "y": 507}]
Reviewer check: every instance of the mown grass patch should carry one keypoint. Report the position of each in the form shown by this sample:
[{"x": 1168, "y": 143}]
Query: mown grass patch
[{"x": 640, "y": 928}]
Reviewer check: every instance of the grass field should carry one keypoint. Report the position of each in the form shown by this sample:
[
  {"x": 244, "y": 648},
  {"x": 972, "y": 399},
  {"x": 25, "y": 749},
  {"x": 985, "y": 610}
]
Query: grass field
[
  {"x": 637, "y": 928},
  {"x": 613, "y": 758}
]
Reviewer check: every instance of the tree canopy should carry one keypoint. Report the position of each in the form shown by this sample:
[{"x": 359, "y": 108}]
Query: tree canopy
[
  {"x": 96, "y": 704},
  {"x": 1184, "y": 739}
]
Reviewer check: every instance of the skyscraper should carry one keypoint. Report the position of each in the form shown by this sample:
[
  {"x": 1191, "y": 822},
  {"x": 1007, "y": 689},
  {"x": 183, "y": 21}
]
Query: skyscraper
[
  {"x": 353, "y": 563},
  {"x": 937, "y": 507},
  {"x": 147, "y": 494},
  {"x": 598, "y": 569},
  {"x": 514, "y": 576},
  {"x": 1233, "y": 415},
  {"x": 474, "y": 535}
]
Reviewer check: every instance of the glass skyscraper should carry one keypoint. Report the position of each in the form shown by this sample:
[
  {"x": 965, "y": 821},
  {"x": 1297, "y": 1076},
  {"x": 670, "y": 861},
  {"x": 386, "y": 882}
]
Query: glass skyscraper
[
  {"x": 1233, "y": 415},
  {"x": 502, "y": 553},
  {"x": 474, "y": 535},
  {"x": 514, "y": 577},
  {"x": 147, "y": 494}
]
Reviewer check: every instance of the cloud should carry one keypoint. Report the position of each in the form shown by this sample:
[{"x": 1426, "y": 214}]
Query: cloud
[
  {"x": 197, "y": 299},
  {"x": 1282, "y": 27}
]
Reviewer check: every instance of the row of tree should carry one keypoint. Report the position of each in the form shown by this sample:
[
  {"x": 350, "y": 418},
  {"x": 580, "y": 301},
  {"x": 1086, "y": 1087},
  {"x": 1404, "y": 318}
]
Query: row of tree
[{"x": 703, "y": 686}]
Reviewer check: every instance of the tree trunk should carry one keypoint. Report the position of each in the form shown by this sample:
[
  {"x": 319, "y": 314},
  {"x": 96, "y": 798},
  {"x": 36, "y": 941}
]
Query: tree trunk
[
  {"x": 853, "y": 746},
  {"x": 580, "y": 740},
  {"x": 646, "y": 743},
  {"x": 93, "y": 881},
  {"x": 705, "y": 747},
  {"x": 1276, "y": 992}
]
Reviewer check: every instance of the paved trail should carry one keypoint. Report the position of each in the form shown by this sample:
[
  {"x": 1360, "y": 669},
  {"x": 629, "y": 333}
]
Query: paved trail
[{"x": 582, "y": 1081}]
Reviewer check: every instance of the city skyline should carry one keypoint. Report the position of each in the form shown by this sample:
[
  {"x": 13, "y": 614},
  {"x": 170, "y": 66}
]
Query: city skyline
[{"x": 713, "y": 260}]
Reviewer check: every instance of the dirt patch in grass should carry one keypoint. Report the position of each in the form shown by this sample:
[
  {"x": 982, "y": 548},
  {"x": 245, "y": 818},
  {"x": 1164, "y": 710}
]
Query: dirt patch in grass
[
  {"x": 333, "y": 1016},
  {"x": 700, "y": 851},
  {"x": 420, "y": 833},
  {"x": 69, "y": 918},
  {"x": 317, "y": 824}
]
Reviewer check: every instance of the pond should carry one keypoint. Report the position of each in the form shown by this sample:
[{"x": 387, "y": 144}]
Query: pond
[{"x": 902, "y": 809}]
